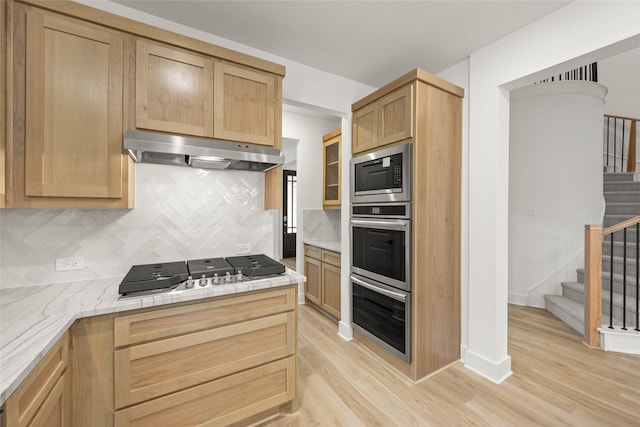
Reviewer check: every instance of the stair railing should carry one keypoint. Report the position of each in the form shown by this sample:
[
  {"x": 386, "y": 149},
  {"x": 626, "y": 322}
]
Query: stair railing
[
  {"x": 593, "y": 238},
  {"x": 620, "y": 137}
]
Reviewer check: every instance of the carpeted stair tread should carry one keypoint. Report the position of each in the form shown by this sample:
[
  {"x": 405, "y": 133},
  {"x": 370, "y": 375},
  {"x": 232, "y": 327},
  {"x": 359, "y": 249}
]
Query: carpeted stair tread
[
  {"x": 567, "y": 310},
  {"x": 621, "y": 176}
]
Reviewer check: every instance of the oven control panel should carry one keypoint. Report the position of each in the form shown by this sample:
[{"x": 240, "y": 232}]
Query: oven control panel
[{"x": 387, "y": 210}]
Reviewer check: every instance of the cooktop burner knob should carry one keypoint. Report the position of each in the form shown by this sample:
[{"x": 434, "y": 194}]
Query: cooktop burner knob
[
  {"x": 189, "y": 283},
  {"x": 203, "y": 281},
  {"x": 216, "y": 279},
  {"x": 239, "y": 277},
  {"x": 227, "y": 278}
]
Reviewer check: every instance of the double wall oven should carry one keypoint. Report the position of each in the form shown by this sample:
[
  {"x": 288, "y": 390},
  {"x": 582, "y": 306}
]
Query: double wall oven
[{"x": 381, "y": 247}]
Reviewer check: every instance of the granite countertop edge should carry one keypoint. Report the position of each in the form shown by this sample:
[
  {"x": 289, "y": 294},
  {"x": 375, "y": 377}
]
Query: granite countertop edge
[{"x": 34, "y": 318}]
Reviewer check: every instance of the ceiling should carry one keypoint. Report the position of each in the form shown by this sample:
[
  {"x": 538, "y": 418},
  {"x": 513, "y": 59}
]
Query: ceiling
[{"x": 371, "y": 42}]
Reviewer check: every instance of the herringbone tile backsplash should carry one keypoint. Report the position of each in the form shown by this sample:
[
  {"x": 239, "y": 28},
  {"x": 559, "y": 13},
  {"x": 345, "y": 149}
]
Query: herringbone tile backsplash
[{"x": 181, "y": 213}]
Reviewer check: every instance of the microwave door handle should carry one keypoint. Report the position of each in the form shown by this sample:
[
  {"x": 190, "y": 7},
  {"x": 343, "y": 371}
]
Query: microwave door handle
[
  {"x": 387, "y": 225},
  {"x": 391, "y": 294}
]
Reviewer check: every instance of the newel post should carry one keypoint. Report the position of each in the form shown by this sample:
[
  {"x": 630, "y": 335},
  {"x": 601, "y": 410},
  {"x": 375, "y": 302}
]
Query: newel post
[{"x": 592, "y": 283}]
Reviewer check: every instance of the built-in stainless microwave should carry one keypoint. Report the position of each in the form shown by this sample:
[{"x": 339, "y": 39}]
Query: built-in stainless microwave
[{"x": 382, "y": 176}]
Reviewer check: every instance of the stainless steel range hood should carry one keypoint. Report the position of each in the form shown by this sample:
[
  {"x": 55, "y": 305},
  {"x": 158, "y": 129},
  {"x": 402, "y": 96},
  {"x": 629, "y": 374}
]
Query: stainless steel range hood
[{"x": 167, "y": 149}]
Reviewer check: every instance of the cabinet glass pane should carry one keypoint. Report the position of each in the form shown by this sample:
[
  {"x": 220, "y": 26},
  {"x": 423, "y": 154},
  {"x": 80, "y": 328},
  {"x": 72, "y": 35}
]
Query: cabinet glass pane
[{"x": 332, "y": 153}]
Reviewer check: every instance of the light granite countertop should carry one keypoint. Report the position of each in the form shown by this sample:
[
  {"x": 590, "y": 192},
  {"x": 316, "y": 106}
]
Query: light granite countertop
[
  {"x": 33, "y": 318},
  {"x": 328, "y": 244}
]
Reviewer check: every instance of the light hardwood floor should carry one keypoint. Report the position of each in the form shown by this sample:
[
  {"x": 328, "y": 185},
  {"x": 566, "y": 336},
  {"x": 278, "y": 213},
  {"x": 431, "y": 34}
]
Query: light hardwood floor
[
  {"x": 556, "y": 381},
  {"x": 289, "y": 262}
]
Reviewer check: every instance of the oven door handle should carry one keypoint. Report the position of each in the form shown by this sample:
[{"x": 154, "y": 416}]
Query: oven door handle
[
  {"x": 389, "y": 224},
  {"x": 391, "y": 294}
]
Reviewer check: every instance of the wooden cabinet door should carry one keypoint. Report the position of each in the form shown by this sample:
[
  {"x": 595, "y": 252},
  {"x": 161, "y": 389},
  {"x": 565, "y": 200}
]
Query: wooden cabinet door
[
  {"x": 56, "y": 408},
  {"x": 245, "y": 105},
  {"x": 365, "y": 128},
  {"x": 174, "y": 90},
  {"x": 331, "y": 172},
  {"x": 396, "y": 116},
  {"x": 74, "y": 84},
  {"x": 331, "y": 290},
  {"x": 43, "y": 398},
  {"x": 313, "y": 285}
]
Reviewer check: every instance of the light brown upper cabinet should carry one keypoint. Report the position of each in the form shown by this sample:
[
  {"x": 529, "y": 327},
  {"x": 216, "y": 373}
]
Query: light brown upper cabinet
[
  {"x": 174, "y": 90},
  {"x": 385, "y": 121},
  {"x": 245, "y": 105},
  {"x": 186, "y": 93},
  {"x": 365, "y": 128},
  {"x": 69, "y": 92},
  {"x": 331, "y": 170}
]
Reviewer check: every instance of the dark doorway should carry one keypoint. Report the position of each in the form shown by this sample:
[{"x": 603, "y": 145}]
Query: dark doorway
[{"x": 289, "y": 213}]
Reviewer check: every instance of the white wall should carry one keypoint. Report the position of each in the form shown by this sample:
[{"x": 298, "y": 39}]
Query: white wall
[
  {"x": 555, "y": 169},
  {"x": 620, "y": 74},
  {"x": 578, "y": 33}
]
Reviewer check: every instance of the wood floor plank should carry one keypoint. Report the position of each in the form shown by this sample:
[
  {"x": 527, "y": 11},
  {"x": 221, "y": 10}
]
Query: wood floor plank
[{"x": 556, "y": 381}]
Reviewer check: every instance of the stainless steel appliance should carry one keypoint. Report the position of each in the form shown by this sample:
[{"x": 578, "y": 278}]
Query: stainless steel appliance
[
  {"x": 181, "y": 275},
  {"x": 381, "y": 274},
  {"x": 381, "y": 243},
  {"x": 382, "y": 176},
  {"x": 383, "y": 314},
  {"x": 205, "y": 153}
]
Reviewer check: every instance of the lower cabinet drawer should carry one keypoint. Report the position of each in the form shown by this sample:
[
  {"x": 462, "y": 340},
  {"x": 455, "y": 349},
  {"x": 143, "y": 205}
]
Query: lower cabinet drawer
[
  {"x": 150, "y": 370},
  {"x": 167, "y": 322},
  {"x": 332, "y": 258},
  {"x": 312, "y": 251},
  {"x": 221, "y": 402}
]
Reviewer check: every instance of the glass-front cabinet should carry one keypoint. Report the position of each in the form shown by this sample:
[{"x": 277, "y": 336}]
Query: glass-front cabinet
[{"x": 331, "y": 172}]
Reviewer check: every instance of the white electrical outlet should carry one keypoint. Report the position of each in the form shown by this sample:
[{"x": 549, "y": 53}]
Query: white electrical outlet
[
  {"x": 68, "y": 264},
  {"x": 243, "y": 248},
  {"x": 532, "y": 211}
]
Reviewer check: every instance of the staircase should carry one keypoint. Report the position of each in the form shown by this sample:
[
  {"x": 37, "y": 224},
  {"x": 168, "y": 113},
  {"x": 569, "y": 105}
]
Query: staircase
[{"x": 622, "y": 198}]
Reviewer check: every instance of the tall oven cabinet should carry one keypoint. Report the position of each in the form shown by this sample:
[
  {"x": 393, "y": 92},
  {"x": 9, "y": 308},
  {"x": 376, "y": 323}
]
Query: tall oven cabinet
[{"x": 426, "y": 111}]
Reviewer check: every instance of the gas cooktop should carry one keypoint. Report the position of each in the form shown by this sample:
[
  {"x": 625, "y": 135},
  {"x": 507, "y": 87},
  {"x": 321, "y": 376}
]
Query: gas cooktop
[{"x": 149, "y": 278}]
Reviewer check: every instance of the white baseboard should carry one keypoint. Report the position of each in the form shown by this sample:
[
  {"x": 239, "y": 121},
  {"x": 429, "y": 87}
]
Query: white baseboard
[
  {"x": 496, "y": 372},
  {"x": 345, "y": 331},
  {"x": 301, "y": 299},
  {"x": 518, "y": 299},
  {"x": 621, "y": 341}
]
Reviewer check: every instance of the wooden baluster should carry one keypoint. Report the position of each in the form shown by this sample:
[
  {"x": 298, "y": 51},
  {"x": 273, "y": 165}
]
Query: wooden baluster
[
  {"x": 592, "y": 283},
  {"x": 631, "y": 155}
]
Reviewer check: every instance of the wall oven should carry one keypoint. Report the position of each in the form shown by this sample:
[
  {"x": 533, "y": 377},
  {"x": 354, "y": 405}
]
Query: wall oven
[
  {"x": 381, "y": 243},
  {"x": 383, "y": 314},
  {"x": 381, "y": 274},
  {"x": 382, "y": 176}
]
